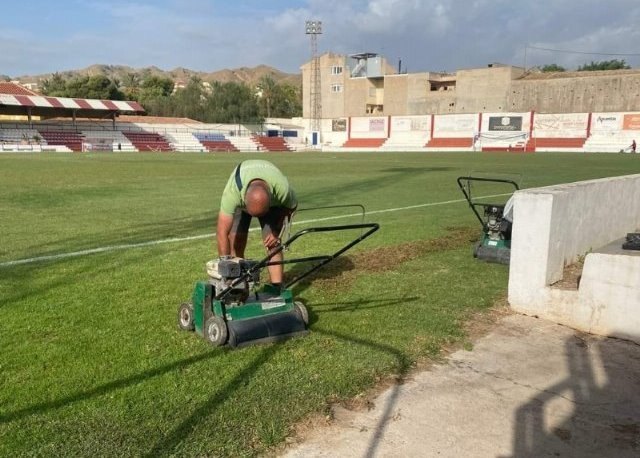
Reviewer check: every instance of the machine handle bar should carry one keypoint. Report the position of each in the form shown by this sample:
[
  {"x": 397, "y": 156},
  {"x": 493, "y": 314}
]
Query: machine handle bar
[
  {"x": 467, "y": 192},
  {"x": 324, "y": 259}
]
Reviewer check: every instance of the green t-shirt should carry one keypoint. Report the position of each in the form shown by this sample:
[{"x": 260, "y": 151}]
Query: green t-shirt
[{"x": 282, "y": 195}]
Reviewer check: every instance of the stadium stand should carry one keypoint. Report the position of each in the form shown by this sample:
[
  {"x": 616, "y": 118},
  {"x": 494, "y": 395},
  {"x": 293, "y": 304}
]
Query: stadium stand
[
  {"x": 364, "y": 143},
  {"x": 271, "y": 143},
  {"x": 612, "y": 132},
  {"x": 148, "y": 141},
  {"x": 215, "y": 142},
  {"x": 513, "y": 141},
  {"x": 410, "y": 133},
  {"x": 21, "y": 140},
  {"x": 183, "y": 141},
  {"x": 610, "y": 142},
  {"x": 555, "y": 144},
  {"x": 455, "y": 132},
  {"x": 71, "y": 140},
  {"x": 107, "y": 140},
  {"x": 575, "y": 132},
  {"x": 555, "y": 132},
  {"x": 450, "y": 142},
  {"x": 503, "y": 131},
  {"x": 244, "y": 143}
]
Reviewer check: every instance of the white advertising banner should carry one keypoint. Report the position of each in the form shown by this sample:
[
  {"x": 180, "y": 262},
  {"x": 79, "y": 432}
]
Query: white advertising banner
[
  {"x": 506, "y": 122},
  {"x": 410, "y": 124},
  {"x": 368, "y": 127},
  {"x": 606, "y": 122},
  {"x": 459, "y": 124},
  {"x": 560, "y": 125}
]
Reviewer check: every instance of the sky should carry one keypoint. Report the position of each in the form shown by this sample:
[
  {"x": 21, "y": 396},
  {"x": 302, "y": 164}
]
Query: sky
[{"x": 43, "y": 36}]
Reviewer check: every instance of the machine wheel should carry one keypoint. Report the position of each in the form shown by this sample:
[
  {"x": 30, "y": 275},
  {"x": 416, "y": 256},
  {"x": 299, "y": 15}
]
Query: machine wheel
[
  {"x": 215, "y": 331},
  {"x": 302, "y": 312},
  {"x": 185, "y": 317}
]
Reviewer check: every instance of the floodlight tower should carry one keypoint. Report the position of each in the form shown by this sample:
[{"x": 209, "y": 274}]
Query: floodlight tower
[{"x": 313, "y": 29}]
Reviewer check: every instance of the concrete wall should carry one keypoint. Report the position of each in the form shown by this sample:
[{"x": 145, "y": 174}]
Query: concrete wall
[
  {"x": 332, "y": 102},
  {"x": 356, "y": 96},
  {"x": 497, "y": 88},
  {"x": 553, "y": 227},
  {"x": 591, "y": 91},
  {"x": 480, "y": 90},
  {"x": 396, "y": 88}
]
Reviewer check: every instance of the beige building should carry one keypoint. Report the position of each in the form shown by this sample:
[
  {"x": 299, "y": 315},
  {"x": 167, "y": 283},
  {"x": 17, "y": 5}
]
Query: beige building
[{"x": 366, "y": 85}]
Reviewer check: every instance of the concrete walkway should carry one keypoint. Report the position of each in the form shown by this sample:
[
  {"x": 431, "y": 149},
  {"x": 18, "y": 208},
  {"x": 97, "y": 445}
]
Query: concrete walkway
[{"x": 530, "y": 388}]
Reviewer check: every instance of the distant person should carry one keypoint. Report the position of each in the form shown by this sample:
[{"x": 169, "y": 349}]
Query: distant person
[
  {"x": 633, "y": 146},
  {"x": 255, "y": 188}
]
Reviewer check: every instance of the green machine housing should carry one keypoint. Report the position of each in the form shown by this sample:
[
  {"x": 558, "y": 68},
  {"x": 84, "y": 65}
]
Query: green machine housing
[
  {"x": 233, "y": 308},
  {"x": 495, "y": 241}
]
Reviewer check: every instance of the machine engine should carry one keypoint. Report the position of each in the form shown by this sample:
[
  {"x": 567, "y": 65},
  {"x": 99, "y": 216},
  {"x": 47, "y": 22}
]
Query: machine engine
[
  {"x": 227, "y": 269},
  {"x": 495, "y": 226}
]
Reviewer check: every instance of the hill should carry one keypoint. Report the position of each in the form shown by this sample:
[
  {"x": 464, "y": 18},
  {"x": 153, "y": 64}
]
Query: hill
[{"x": 240, "y": 75}]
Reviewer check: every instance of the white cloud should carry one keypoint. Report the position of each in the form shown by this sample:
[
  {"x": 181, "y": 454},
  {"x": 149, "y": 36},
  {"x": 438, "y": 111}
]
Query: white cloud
[{"x": 426, "y": 34}]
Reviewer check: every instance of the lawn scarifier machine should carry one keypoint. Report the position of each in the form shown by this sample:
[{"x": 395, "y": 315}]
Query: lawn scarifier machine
[
  {"x": 495, "y": 242},
  {"x": 232, "y": 308}
]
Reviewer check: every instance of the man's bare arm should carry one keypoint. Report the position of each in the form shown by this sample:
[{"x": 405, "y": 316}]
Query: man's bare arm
[{"x": 222, "y": 234}]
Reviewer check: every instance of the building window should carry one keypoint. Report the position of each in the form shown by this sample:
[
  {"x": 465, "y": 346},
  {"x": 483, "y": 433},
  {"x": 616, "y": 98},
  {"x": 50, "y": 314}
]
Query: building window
[
  {"x": 336, "y": 88},
  {"x": 336, "y": 70}
]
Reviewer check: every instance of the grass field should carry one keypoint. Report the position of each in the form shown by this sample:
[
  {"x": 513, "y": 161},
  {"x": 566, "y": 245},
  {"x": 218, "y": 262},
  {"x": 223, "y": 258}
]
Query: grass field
[{"x": 92, "y": 362}]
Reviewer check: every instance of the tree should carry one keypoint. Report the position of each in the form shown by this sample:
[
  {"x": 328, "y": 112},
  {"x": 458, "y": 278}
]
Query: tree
[
  {"x": 55, "y": 86},
  {"x": 267, "y": 91},
  {"x": 131, "y": 86},
  {"x": 101, "y": 87},
  {"x": 156, "y": 86},
  {"x": 613, "y": 64},
  {"x": 553, "y": 68},
  {"x": 288, "y": 101},
  {"x": 278, "y": 100},
  {"x": 94, "y": 87},
  {"x": 232, "y": 103},
  {"x": 190, "y": 101}
]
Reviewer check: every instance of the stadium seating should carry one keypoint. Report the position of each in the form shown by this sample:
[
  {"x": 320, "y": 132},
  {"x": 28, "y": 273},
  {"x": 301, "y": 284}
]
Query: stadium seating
[
  {"x": 215, "y": 142},
  {"x": 71, "y": 140},
  {"x": 554, "y": 144},
  {"x": 406, "y": 141},
  {"x": 183, "y": 141},
  {"x": 271, "y": 143},
  {"x": 245, "y": 143},
  {"x": 148, "y": 141},
  {"x": 611, "y": 142},
  {"x": 107, "y": 140},
  {"x": 364, "y": 143},
  {"x": 450, "y": 142}
]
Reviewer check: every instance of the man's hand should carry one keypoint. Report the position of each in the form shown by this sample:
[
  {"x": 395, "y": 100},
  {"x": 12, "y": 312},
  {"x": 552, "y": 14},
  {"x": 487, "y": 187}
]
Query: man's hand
[{"x": 271, "y": 241}]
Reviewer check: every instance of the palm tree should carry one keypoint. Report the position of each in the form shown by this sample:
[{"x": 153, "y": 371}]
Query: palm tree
[
  {"x": 267, "y": 88},
  {"x": 131, "y": 85}
]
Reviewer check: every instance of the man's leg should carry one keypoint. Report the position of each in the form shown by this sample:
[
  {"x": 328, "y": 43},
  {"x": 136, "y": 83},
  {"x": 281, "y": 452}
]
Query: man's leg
[
  {"x": 272, "y": 223},
  {"x": 239, "y": 232}
]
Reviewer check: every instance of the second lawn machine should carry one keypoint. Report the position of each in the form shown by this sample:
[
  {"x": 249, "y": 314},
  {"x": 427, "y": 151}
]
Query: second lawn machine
[
  {"x": 231, "y": 307},
  {"x": 495, "y": 241}
]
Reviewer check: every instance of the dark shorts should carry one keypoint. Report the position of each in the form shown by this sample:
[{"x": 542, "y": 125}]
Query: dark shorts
[{"x": 271, "y": 223}]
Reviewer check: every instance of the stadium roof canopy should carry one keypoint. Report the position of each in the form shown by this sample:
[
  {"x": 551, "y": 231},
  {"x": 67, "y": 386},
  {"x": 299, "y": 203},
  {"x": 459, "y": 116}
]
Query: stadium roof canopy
[{"x": 17, "y": 100}]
